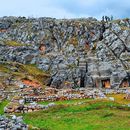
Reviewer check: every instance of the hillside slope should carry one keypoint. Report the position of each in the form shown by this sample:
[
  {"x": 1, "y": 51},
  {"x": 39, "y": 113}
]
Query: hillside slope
[{"x": 75, "y": 52}]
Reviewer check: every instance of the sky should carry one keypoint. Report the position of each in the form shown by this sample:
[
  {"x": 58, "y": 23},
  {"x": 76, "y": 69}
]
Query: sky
[{"x": 65, "y": 8}]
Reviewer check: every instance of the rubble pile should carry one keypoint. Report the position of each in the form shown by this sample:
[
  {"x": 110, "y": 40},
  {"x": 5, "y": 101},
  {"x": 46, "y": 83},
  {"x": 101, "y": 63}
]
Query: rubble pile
[{"x": 14, "y": 123}]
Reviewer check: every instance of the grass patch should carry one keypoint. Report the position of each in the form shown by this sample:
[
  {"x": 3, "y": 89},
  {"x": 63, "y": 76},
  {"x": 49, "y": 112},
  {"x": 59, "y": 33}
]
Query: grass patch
[
  {"x": 33, "y": 70},
  {"x": 108, "y": 115},
  {"x": 37, "y": 74},
  {"x": 93, "y": 115},
  {"x": 3, "y": 68},
  {"x": 13, "y": 43},
  {"x": 21, "y": 71},
  {"x": 119, "y": 98},
  {"x": 2, "y": 105},
  {"x": 66, "y": 102}
]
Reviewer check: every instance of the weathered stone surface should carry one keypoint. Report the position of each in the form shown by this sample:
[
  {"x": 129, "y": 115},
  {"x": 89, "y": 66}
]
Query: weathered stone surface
[{"x": 105, "y": 47}]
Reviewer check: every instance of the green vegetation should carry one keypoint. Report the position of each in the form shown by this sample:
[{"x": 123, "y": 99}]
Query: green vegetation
[
  {"x": 91, "y": 115},
  {"x": 20, "y": 71},
  {"x": 2, "y": 105},
  {"x": 13, "y": 43},
  {"x": 119, "y": 98},
  {"x": 67, "y": 102},
  {"x": 3, "y": 68},
  {"x": 33, "y": 70},
  {"x": 35, "y": 73}
]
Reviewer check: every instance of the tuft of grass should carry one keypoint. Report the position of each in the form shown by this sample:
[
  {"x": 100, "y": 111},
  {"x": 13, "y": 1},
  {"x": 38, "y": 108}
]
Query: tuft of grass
[
  {"x": 33, "y": 70},
  {"x": 3, "y": 68},
  {"x": 13, "y": 43},
  {"x": 2, "y": 105},
  {"x": 125, "y": 28},
  {"x": 108, "y": 115}
]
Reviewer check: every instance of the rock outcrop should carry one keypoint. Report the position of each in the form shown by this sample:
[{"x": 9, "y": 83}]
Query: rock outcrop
[{"x": 80, "y": 52}]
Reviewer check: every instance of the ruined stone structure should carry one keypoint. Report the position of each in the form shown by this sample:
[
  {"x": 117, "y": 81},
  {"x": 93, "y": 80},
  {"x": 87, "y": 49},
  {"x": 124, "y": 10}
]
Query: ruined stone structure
[{"x": 99, "y": 75}]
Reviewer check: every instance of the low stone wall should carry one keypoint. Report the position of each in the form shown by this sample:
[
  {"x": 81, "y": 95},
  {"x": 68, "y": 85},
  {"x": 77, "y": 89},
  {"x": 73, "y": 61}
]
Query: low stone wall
[
  {"x": 28, "y": 103},
  {"x": 25, "y": 103},
  {"x": 28, "y": 108}
]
